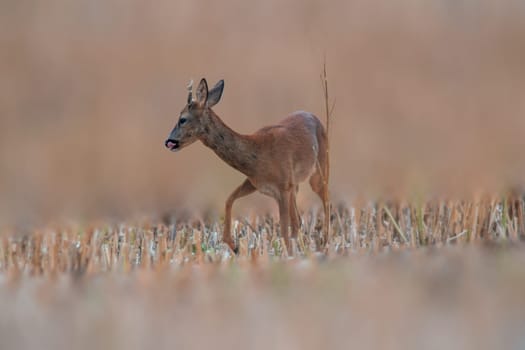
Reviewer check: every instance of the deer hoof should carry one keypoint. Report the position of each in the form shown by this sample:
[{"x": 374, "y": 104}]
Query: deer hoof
[{"x": 232, "y": 247}]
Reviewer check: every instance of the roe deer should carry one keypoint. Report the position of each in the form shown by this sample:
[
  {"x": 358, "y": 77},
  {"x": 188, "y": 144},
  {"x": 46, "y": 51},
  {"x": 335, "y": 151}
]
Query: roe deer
[{"x": 275, "y": 159}]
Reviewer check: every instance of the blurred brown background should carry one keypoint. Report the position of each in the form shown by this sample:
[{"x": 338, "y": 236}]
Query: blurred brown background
[{"x": 429, "y": 97}]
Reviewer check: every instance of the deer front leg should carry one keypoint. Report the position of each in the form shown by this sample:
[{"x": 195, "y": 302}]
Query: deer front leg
[
  {"x": 243, "y": 190},
  {"x": 295, "y": 219},
  {"x": 284, "y": 218}
]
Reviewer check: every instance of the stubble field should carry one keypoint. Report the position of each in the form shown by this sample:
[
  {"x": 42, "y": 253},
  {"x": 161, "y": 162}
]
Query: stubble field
[{"x": 393, "y": 275}]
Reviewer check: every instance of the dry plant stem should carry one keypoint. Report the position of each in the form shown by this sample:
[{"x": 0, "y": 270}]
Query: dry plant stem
[
  {"x": 326, "y": 195},
  {"x": 353, "y": 228},
  {"x": 398, "y": 229},
  {"x": 420, "y": 212},
  {"x": 379, "y": 223},
  {"x": 504, "y": 216},
  {"x": 459, "y": 235},
  {"x": 453, "y": 220},
  {"x": 473, "y": 234},
  {"x": 521, "y": 217}
]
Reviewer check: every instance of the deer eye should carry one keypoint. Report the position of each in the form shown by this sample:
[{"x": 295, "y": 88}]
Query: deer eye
[{"x": 182, "y": 120}]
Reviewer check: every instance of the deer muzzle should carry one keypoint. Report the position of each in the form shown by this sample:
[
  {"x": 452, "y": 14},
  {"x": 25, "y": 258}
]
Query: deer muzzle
[{"x": 172, "y": 145}]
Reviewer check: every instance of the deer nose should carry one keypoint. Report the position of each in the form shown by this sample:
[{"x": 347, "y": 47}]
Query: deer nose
[{"x": 172, "y": 144}]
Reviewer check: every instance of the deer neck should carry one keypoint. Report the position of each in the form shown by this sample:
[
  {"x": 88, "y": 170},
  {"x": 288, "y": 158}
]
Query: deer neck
[{"x": 236, "y": 150}]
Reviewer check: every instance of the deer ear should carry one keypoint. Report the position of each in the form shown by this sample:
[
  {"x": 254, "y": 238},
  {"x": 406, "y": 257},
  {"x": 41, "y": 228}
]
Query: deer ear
[
  {"x": 214, "y": 96},
  {"x": 202, "y": 92}
]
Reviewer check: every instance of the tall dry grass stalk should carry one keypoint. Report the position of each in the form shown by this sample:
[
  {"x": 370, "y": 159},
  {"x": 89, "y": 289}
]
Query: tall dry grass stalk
[{"x": 326, "y": 170}]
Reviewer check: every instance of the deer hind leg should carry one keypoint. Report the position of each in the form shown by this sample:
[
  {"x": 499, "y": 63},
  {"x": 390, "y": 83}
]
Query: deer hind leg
[
  {"x": 243, "y": 190},
  {"x": 295, "y": 219},
  {"x": 318, "y": 185}
]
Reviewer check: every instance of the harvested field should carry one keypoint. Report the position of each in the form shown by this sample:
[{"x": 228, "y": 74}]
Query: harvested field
[
  {"x": 394, "y": 275},
  {"x": 370, "y": 229}
]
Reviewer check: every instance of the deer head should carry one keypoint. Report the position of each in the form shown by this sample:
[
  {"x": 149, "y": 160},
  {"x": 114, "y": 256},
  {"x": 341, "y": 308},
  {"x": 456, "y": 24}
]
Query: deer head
[{"x": 192, "y": 120}]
